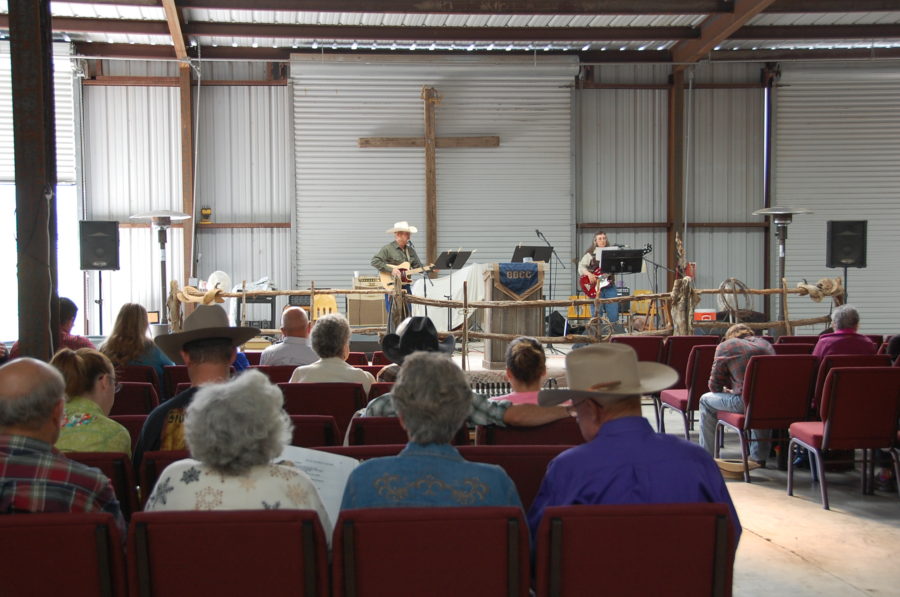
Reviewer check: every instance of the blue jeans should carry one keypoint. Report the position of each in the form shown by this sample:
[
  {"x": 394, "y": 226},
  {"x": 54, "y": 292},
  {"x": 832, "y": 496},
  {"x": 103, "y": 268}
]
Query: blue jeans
[
  {"x": 611, "y": 309},
  {"x": 710, "y": 404}
]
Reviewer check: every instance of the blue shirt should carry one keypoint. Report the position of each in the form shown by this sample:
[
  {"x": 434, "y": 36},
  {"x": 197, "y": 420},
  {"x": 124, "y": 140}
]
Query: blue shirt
[
  {"x": 153, "y": 357},
  {"x": 629, "y": 463},
  {"x": 428, "y": 475}
]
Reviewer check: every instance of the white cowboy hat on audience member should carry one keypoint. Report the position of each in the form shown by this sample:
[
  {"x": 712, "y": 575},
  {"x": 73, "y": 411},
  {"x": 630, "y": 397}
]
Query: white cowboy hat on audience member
[
  {"x": 609, "y": 371},
  {"x": 403, "y": 227},
  {"x": 206, "y": 322}
]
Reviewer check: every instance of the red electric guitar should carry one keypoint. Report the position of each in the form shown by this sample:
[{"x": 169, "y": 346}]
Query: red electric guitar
[{"x": 591, "y": 289}]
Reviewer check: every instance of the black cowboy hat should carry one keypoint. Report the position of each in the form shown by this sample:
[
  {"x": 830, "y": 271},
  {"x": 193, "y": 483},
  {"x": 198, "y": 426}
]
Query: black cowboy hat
[{"x": 413, "y": 334}]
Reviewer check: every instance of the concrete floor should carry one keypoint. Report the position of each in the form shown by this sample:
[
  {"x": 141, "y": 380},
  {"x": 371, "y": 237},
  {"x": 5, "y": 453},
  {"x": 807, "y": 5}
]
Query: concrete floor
[{"x": 792, "y": 546}]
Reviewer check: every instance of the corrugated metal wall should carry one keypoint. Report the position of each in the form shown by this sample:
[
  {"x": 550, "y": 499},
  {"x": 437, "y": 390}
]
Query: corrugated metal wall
[
  {"x": 131, "y": 159},
  {"x": 837, "y": 152},
  {"x": 246, "y": 174},
  {"x": 63, "y": 103},
  {"x": 488, "y": 199},
  {"x": 622, "y": 169}
]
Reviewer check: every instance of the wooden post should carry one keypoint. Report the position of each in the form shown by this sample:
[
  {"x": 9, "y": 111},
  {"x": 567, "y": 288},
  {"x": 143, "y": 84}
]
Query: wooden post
[
  {"x": 30, "y": 35},
  {"x": 788, "y": 329},
  {"x": 430, "y": 97},
  {"x": 675, "y": 183},
  {"x": 187, "y": 170},
  {"x": 465, "y": 334},
  {"x": 312, "y": 300}
]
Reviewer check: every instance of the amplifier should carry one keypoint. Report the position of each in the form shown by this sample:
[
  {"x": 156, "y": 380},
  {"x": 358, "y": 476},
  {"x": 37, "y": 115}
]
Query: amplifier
[{"x": 367, "y": 282}]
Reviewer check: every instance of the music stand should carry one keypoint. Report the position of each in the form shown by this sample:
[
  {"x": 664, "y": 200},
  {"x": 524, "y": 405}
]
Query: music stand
[
  {"x": 622, "y": 261},
  {"x": 535, "y": 252},
  {"x": 452, "y": 260}
]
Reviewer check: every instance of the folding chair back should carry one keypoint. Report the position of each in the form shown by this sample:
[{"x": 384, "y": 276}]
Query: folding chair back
[
  {"x": 797, "y": 340},
  {"x": 365, "y": 452},
  {"x": 777, "y": 390},
  {"x": 676, "y": 351},
  {"x": 380, "y": 387},
  {"x": 117, "y": 467},
  {"x": 560, "y": 432},
  {"x": 827, "y": 363},
  {"x": 174, "y": 375},
  {"x": 357, "y": 358},
  {"x": 227, "y": 553},
  {"x": 154, "y": 463},
  {"x": 525, "y": 465},
  {"x": 793, "y": 348},
  {"x": 687, "y": 400},
  {"x": 72, "y": 554},
  {"x": 860, "y": 407},
  {"x": 140, "y": 373},
  {"x": 378, "y": 358},
  {"x": 134, "y": 398},
  {"x": 689, "y": 546},
  {"x": 471, "y": 551},
  {"x": 339, "y": 400},
  {"x": 312, "y": 431},
  {"x": 648, "y": 348},
  {"x": 387, "y": 430},
  {"x": 277, "y": 373},
  {"x": 133, "y": 423}
]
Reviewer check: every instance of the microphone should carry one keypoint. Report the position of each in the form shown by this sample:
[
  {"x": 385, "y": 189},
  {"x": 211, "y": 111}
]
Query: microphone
[{"x": 538, "y": 232}]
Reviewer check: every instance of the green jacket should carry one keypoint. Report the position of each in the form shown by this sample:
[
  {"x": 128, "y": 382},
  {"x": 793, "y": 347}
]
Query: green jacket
[{"x": 391, "y": 254}]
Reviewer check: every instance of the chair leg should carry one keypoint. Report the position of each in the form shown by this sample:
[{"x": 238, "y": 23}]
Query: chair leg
[
  {"x": 744, "y": 436},
  {"x": 896, "y": 460},
  {"x": 820, "y": 467},
  {"x": 687, "y": 433},
  {"x": 717, "y": 442},
  {"x": 790, "y": 467},
  {"x": 657, "y": 409},
  {"x": 868, "y": 472}
]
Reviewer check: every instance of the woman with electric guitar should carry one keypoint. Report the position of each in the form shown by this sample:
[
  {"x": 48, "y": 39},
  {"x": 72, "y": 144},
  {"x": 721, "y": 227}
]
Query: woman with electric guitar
[{"x": 593, "y": 280}]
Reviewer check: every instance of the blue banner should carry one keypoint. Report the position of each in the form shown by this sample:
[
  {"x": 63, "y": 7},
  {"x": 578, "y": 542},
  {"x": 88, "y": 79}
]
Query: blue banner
[{"x": 518, "y": 278}]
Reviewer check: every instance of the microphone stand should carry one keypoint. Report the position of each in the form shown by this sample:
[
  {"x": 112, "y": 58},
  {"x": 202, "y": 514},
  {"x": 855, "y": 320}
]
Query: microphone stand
[{"x": 550, "y": 294}]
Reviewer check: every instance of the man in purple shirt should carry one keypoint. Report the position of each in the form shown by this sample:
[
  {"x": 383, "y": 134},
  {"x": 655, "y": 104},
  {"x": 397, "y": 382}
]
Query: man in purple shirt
[
  {"x": 844, "y": 339},
  {"x": 624, "y": 461}
]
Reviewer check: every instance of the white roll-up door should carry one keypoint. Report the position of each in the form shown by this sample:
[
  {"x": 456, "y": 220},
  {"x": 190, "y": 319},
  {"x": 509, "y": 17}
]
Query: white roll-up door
[
  {"x": 64, "y": 113},
  {"x": 489, "y": 199},
  {"x": 837, "y": 152}
]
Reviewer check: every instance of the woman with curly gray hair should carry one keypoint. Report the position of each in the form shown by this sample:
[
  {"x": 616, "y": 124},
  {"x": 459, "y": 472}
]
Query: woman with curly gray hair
[
  {"x": 433, "y": 400},
  {"x": 234, "y": 430}
]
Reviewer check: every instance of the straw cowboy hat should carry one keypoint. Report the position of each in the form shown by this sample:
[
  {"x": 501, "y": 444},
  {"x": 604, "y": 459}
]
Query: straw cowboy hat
[
  {"x": 205, "y": 323},
  {"x": 609, "y": 371},
  {"x": 415, "y": 334},
  {"x": 403, "y": 227}
]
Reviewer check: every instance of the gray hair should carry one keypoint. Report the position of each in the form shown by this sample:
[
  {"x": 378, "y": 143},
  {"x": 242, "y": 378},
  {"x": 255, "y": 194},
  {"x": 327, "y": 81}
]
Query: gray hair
[
  {"x": 329, "y": 335},
  {"x": 236, "y": 425},
  {"x": 844, "y": 317},
  {"x": 29, "y": 391},
  {"x": 432, "y": 396}
]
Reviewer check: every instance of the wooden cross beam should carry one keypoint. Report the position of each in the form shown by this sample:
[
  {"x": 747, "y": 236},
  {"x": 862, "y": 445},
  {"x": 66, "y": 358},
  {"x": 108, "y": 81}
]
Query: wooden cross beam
[{"x": 430, "y": 142}]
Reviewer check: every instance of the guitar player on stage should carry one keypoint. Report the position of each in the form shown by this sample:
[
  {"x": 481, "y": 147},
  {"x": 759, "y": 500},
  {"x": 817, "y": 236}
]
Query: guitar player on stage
[
  {"x": 589, "y": 267},
  {"x": 396, "y": 259}
]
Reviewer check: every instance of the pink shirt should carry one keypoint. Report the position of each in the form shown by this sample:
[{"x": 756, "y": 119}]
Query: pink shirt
[
  {"x": 843, "y": 342},
  {"x": 519, "y": 397}
]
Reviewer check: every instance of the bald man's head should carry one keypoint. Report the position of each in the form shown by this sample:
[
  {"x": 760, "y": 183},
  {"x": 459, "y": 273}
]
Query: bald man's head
[
  {"x": 31, "y": 398},
  {"x": 294, "y": 322}
]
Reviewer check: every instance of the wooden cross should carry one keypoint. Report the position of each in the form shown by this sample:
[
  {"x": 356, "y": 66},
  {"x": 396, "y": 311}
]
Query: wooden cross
[{"x": 430, "y": 142}]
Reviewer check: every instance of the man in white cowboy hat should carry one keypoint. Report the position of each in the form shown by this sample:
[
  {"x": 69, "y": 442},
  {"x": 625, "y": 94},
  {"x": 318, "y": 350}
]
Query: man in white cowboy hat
[
  {"x": 623, "y": 460},
  {"x": 395, "y": 253},
  {"x": 208, "y": 345}
]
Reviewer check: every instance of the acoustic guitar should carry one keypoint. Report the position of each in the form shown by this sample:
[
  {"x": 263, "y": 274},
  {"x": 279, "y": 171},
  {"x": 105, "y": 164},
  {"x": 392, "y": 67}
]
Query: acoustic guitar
[{"x": 387, "y": 280}]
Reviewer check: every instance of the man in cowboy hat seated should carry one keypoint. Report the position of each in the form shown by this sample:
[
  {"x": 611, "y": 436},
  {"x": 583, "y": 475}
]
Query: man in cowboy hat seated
[
  {"x": 395, "y": 253},
  {"x": 419, "y": 334},
  {"x": 208, "y": 345},
  {"x": 623, "y": 460}
]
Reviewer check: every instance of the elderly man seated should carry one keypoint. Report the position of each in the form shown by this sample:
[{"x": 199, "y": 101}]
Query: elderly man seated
[
  {"x": 418, "y": 334},
  {"x": 624, "y": 461},
  {"x": 845, "y": 339},
  {"x": 294, "y": 349},
  {"x": 233, "y": 431},
  {"x": 331, "y": 341},
  {"x": 433, "y": 400},
  {"x": 33, "y": 476}
]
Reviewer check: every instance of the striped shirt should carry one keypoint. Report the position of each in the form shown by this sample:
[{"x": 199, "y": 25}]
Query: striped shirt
[{"x": 36, "y": 478}]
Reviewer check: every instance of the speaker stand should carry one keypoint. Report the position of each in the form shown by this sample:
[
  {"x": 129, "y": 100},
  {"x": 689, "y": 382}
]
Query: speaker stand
[
  {"x": 846, "y": 293},
  {"x": 99, "y": 300}
]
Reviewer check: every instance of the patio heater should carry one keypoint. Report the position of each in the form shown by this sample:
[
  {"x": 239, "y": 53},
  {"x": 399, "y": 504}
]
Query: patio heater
[
  {"x": 161, "y": 220},
  {"x": 781, "y": 217}
]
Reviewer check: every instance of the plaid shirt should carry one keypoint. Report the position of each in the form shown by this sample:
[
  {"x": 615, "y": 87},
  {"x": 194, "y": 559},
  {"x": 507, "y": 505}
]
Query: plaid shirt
[
  {"x": 731, "y": 361},
  {"x": 484, "y": 411},
  {"x": 34, "y": 477}
]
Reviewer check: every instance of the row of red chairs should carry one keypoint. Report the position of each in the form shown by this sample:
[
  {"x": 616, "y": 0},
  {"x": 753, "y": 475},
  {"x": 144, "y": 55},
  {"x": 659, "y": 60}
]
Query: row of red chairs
[
  {"x": 374, "y": 552},
  {"x": 355, "y": 358}
]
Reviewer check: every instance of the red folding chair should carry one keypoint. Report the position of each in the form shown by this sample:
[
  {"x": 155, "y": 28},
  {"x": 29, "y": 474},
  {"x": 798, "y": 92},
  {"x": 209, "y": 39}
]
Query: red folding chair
[
  {"x": 253, "y": 357},
  {"x": 229, "y": 553},
  {"x": 525, "y": 465},
  {"x": 73, "y": 554},
  {"x": 311, "y": 431},
  {"x": 373, "y": 369},
  {"x": 563, "y": 432},
  {"x": 677, "y": 350},
  {"x": 117, "y": 467},
  {"x": 365, "y": 452},
  {"x": 174, "y": 375},
  {"x": 357, "y": 358},
  {"x": 140, "y": 373},
  {"x": 793, "y": 348},
  {"x": 134, "y": 398},
  {"x": 686, "y": 401},
  {"x": 387, "y": 430},
  {"x": 648, "y": 348},
  {"x": 860, "y": 408},
  {"x": 380, "y": 387},
  {"x": 339, "y": 400},
  {"x": 277, "y": 373},
  {"x": 776, "y": 393},
  {"x": 154, "y": 463},
  {"x": 133, "y": 423},
  {"x": 477, "y": 551},
  {"x": 690, "y": 546},
  {"x": 831, "y": 361},
  {"x": 378, "y": 358},
  {"x": 797, "y": 339}
]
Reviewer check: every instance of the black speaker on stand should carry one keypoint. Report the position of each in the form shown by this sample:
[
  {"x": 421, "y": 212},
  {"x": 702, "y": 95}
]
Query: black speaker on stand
[
  {"x": 845, "y": 245},
  {"x": 99, "y": 251}
]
